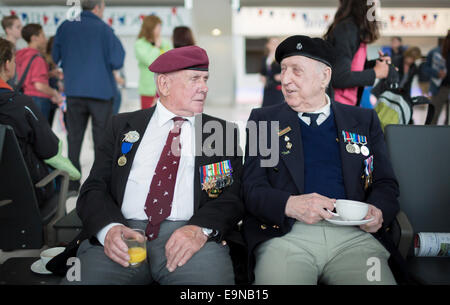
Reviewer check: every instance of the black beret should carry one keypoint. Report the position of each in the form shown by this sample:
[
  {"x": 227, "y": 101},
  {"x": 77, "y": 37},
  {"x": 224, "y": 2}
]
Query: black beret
[{"x": 314, "y": 48}]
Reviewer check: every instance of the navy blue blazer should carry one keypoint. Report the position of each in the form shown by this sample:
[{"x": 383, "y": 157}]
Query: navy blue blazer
[{"x": 267, "y": 189}]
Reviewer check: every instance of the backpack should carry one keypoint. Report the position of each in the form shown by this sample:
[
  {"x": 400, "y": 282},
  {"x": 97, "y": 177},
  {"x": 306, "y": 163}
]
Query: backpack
[
  {"x": 18, "y": 87},
  {"x": 394, "y": 106}
]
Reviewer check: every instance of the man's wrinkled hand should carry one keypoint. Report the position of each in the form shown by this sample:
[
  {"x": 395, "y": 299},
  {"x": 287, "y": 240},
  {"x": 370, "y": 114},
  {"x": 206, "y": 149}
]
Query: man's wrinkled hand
[
  {"x": 115, "y": 247},
  {"x": 309, "y": 208},
  {"x": 182, "y": 245},
  {"x": 376, "y": 223}
]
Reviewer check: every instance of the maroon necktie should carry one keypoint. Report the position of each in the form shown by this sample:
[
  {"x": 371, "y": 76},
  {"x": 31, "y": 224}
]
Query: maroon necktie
[{"x": 159, "y": 199}]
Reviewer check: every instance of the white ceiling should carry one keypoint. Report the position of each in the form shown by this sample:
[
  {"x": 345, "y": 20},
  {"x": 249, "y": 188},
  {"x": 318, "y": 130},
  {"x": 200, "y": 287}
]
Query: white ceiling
[{"x": 312, "y": 3}]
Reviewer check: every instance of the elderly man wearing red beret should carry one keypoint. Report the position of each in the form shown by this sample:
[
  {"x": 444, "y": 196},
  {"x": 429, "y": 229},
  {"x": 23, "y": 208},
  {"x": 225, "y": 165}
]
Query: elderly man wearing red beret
[{"x": 146, "y": 176}]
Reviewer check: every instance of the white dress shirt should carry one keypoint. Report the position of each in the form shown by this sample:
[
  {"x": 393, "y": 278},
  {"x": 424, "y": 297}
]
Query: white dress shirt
[
  {"x": 324, "y": 113},
  {"x": 144, "y": 165}
]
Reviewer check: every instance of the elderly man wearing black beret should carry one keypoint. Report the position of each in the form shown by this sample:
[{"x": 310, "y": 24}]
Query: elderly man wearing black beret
[
  {"x": 149, "y": 175},
  {"x": 327, "y": 151}
]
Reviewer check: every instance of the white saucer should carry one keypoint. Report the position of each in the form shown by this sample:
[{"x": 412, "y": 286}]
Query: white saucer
[
  {"x": 340, "y": 222},
  {"x": 38, "y": 267}
]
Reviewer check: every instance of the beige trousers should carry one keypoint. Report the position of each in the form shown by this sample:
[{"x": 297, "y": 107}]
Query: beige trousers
[{"x": 325, "y": 253}]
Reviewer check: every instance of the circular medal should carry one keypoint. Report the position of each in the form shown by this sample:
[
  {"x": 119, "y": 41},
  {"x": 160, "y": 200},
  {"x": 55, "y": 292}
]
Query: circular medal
[
  {"x": 365, "y": 151},
  {"x": 349, "y": 147},
  {"x": 122, "y": 161},
  {"x": 356, "y": 147}
]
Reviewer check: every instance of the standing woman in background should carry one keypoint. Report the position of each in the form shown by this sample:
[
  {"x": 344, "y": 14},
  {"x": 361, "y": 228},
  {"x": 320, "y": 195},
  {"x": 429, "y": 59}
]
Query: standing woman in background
[
  {"x": 147, "y": 48},
  {"x": 270, "y": 75},
  {"x": 182, "y": 37},
  {"x": 350, "y": 33}
]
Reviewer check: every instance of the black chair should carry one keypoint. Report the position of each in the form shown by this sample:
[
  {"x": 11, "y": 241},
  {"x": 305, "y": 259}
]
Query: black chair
[
  {"x": 420, "y": 156},
  {"x": 23, "y": 223}
]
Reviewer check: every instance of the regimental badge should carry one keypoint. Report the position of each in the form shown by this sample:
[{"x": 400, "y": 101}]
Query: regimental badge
[
  {"x": 131, "y": 137},
  {"x": 286, "y": 139},
  {"x": 127, "y": 144},
  {"x": 215, "y": 177}
]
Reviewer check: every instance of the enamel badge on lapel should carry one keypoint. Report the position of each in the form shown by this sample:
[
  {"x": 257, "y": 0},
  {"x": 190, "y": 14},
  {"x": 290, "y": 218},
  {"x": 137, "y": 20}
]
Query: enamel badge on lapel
[
  {"x": 286, "y": 139},
  {"x": 127, "y": 144},
  {"x": 215, "y": 177}
]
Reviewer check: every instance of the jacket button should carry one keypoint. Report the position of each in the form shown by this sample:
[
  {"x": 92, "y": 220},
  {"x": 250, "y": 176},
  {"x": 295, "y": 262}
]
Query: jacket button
[{"x": 263, "y": 227}]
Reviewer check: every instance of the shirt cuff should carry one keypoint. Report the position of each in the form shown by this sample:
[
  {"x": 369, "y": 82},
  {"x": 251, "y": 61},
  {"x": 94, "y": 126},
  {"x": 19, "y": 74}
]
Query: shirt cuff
[{"x": 102, "y": 233}]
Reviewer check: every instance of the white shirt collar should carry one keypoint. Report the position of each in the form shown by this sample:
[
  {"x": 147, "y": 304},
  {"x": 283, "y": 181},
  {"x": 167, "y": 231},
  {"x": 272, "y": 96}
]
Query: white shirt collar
[
  {"x": 324, "y": 113},
  {"x": 164, "y": 115},
  {"x": 325, "y": 109}
]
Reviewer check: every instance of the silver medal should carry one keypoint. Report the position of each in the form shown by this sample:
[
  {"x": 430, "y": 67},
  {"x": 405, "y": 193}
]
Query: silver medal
[
  {"x": 349, "y": 147},
  {"x": 356, "y": 148},
  {"x": 365, "y": 151}
]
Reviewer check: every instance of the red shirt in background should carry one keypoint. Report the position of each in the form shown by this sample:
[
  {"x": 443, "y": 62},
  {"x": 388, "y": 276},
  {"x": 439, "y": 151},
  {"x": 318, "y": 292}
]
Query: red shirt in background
[{"x": 38, "y": 71}]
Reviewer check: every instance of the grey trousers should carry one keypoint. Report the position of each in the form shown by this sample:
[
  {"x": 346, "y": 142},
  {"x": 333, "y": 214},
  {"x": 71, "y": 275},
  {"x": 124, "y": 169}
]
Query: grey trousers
[
  {"x": 323, "y": 252},
  {"x": 211, "y": 265}
]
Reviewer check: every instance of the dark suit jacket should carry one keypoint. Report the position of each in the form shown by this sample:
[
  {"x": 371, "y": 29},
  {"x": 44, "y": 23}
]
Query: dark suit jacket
[
  {"x": 101, "y": 196},
  {"x": 266, "y": 190}
]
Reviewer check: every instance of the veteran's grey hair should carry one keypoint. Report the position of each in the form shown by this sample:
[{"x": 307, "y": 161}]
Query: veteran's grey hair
[{"x": 321, "y": 67}]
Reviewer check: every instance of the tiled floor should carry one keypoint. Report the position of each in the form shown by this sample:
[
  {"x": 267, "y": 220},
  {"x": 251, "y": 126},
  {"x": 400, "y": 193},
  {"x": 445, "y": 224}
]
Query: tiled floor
[{"x": 237, "y": 113}]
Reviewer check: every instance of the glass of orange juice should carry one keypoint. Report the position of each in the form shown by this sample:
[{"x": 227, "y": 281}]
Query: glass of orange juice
[{"x": 136, "y": 250}]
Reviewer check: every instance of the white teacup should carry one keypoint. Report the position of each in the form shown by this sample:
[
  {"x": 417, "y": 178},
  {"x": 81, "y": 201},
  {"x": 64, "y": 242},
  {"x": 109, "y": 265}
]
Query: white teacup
[
  {"x": 50, "y": 253},
  {"x": 350, "y": 209}
]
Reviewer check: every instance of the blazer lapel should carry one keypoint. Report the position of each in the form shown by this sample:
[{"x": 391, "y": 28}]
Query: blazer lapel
[
  {"x": 350, "y": 162},
  {"x": 199, "y": 138},
  {"x": 293, "y": 158},
  {"x": 139, "y": 123}
]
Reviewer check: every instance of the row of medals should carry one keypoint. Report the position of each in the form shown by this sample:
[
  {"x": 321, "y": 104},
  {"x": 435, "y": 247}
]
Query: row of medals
[{"x": 355, "y": 149}]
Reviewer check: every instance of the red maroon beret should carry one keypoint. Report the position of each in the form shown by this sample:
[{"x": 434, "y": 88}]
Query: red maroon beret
[{"x": 190, "y": 57}]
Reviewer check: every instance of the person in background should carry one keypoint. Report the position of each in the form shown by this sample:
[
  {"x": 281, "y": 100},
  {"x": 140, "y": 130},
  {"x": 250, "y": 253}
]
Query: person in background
[
  {"x": 36, "y": 82},
  {"x": 13, "y": 30},
  {"x": 442, "y": 97},
  {"x": 424, "y": 78},
  {"x": 55, "y": 79},
  {"x": 148, "y": 47},
  {"x": 408, "y": 69},
  {"x": 39, "y": 145},
  {"x": 435, "y": 67},
  {"x": 120, "y": 80},
  {"x": 89, "y": 52},
  {"x": 396, "y": 51},
  {"x": 182, "y": 36},
  {"x": 270, "y": 75},
  {"x": 350, "y": 33}
]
